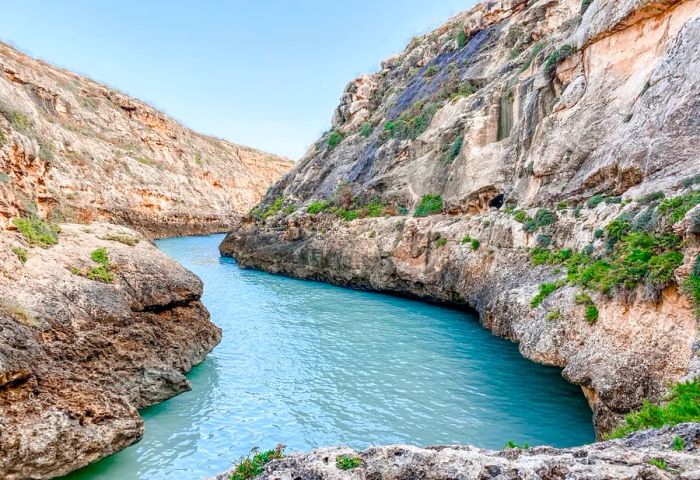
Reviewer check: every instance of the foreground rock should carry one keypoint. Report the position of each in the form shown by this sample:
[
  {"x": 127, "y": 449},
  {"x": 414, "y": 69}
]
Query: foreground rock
[
  {"x": 74, "y": 150},
  {"x": 78, "y": 357},
  {"x": 644, "y": 455},
  {"x": 516, "y": 125}
]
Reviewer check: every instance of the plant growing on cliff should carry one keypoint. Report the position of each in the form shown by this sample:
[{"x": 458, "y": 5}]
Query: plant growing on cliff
[
  {"x": 536, "y": 49},
  {"x": 21, "y": 253},
  {"x": 253, "y": 465},
  {"x": 546, "y": 289},
  {"x": 366, "y": 129},
  {"x": 431, "y": 71},
  {"x": 429, "y": 205},
  {"x": 461, "y": 38},
  {"x": 103, "y": 271},
  {"x": 36, "y": 231},
  {"x": 682, "y": 405},
  {"x": 412, "y": 123},
  {"x": 678, "y": 444},
  {"x": 557, "y": 56},
  {"x": 334, "y": 139},
  {"x": 543, "y": 218},
  {"x": 125, "y": 239},
  {"x": 375, "y": 208},
  {"x": 347, "y": 462},
  {"x": 692, "y": 284},
  {"x": 677, "y": 207},
  {"x": 441, "y": 242},
  {"x": 18, "y": 120},
  {"x": 317, "y": 206},
  {"x": 453, "y": 150}
]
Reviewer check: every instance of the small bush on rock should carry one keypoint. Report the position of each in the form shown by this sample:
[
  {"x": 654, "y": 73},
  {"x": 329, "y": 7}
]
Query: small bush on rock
[
  {"x": 251, "y": 466},
  {"x": 36, "y": 231},
  {"x": 429, "y": 205},
  {"x": 347, "y": 462}
]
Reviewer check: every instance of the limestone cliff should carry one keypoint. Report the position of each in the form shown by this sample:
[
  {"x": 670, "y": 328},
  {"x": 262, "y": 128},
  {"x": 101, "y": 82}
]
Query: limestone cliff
[
  {"x": 75, "y": 150},
  {"x": 91, "y": 329},
  {"x": 536, "y": 160}
]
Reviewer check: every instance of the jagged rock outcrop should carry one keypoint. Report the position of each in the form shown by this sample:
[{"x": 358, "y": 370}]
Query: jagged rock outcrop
[
  {"x": 78, "y": 356},
  {"x": 648, "y": 455},
  {"x": 538, "y": 124},
  {"x": 75, "y": 150}
]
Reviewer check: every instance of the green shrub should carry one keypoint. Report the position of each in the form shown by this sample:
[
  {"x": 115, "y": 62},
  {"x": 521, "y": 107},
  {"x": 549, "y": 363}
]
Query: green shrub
[
  {"x": 543, "y": 240},
  {"x": 348, "y": 215},
  {"x": 334, "y": 139},
  {"x": 475, "y": 244},
  {"x": 429, "y": 205},
  {"x": 676, "y": 208},
  {"x": 520, "y": 216},
  {"x": 543, "y": 218},
  {"x": 585, "y": 4},
  {"x": 431, "y": 71},
  {"x": 594, "y": 201},
  {"x": 289, "y": 209},
  {"x": 366, "y": 129},
  {"x": 558, "y": 56},
  {"x": 100, "y": 273},
  {"x": 678, "y": 444},
  {"x": 412, "y": 123},
  {"x": 546, "y": 289},
  {"x": 317, "y": 206},
  {"x": 347, "y": 462},
  {"x": 659, "y": 463},
  {"x": 125, "y": 239},
  {"x": 100, "y": 256},
  {"x": 46, "y": 151},
  {"x": 511, "y": 444},
  {"x": 617, "y": 229},
  {"x": 591, "y": 314},
  {"x": 18, "y": 120},
  {"x": 651, "y": 197},
  {"x": 536, "y": 49},
  {"x": 554, "y": 315},
  {"x": 682, "y": 405},
  {"x": 459, "y": 90},
  {"x": 661, "y": 268},
  {"x": 21, "y": 254},
  {"x": 453, "y": 150},
  {"x": 274, "y": 208},
  {"x": 251, "y": 466},
  {"x": 375, "y": 208},
  {"x": 599, "y": 232},
  {"x": 690, "y": 181},
  {"x": 37, "y": 232},
  {"x": 441, "y": 242},
  {"x": 461, "y": 38},
  {"x": 563, "y": 205}
]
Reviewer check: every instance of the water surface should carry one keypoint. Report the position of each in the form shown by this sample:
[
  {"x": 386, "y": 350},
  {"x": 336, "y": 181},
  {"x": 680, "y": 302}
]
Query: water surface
[{"x": 309, "y": 365}]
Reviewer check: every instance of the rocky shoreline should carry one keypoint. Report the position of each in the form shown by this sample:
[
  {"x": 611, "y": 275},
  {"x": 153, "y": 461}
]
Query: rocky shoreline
[
  {"x": 644, "y": 455},
  {"x": 85, "y": 343}
]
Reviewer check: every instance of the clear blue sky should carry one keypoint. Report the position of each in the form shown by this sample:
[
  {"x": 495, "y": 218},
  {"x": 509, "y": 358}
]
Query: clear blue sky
[{"x": 267, "y": 74}]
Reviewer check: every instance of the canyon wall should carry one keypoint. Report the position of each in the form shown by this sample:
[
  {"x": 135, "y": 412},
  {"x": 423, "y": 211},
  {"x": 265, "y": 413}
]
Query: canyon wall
[
  {"x": 87, "y": 339},
  {"x": 72, "y": 149},
  {"x": 538, "y": 161}
]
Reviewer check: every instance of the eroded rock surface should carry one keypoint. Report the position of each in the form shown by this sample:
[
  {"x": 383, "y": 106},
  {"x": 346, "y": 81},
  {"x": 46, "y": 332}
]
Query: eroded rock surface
[
  {"x": 75, "y": 150},
  {"x": 514, "y": 105},
  {"x": 78, "y": 357},
  {"x": 635, "y": 457}
]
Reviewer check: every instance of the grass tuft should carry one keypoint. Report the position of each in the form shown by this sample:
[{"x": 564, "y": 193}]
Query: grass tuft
[
  {"x": 429, "y": 205},
  {"x": 36, "y": 231},
  {"x": 253, "y": 465},
  {"x": 347, "y": 462}
]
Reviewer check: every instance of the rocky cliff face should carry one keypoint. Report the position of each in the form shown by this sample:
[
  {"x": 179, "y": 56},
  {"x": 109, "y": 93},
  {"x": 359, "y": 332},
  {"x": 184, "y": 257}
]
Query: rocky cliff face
[
  {"x": 645, "y": 455},
  {"x": 550, "y": 150},
  {"x": 72, "y": 149},
  {"x": 91, "y": 329}
]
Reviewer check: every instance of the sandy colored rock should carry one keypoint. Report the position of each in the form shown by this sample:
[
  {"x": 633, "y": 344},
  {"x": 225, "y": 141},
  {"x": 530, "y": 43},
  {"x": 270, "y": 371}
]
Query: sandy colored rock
[
  {"x": 76, "y": 150},
  {"x": 539, "y": 107},
  {"x": 78, "y": 357},
  {"x": 621, "y": 459}
]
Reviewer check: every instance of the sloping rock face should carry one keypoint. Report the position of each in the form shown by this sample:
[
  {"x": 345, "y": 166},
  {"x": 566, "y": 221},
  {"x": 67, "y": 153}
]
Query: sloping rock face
[
  {"x": 621, "y": 459},
  {"x": 538, "y": 125},
  {"x": 78, "y": 357},
  {"x": 75, "y": 150}
]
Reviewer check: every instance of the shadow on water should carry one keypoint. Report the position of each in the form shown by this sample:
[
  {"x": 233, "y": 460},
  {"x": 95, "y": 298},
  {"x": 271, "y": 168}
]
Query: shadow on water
[{"x": 308, "y": 364}]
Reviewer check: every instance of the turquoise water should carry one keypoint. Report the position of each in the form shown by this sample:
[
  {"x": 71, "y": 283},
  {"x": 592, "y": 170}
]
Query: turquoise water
[{"x": 309, "y": 365}]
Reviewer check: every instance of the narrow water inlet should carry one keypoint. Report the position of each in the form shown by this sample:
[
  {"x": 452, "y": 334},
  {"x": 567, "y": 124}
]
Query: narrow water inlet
[{"x": 309, "y": 365}]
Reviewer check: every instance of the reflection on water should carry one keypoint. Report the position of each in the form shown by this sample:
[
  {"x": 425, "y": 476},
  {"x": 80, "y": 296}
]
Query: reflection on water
[{"x": 309, "y": 365}]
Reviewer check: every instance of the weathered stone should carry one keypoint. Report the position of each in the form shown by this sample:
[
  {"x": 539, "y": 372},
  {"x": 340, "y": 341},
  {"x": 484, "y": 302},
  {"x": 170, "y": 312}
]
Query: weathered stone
[
  {"x": 620, "y": 459},
  {"x": 82, "y": 152},
  {"x": 78, "y": 357}
]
